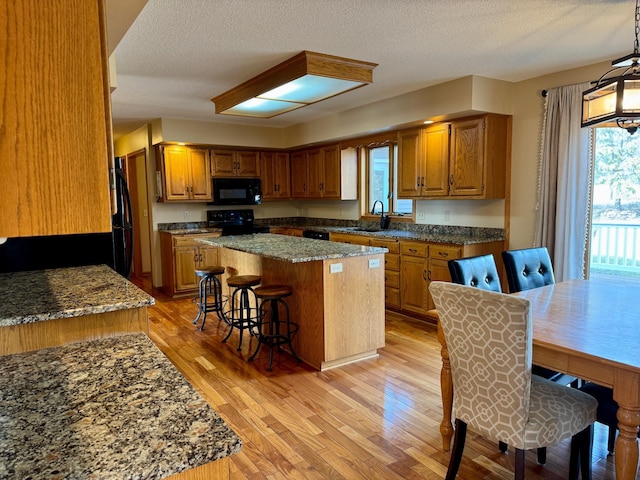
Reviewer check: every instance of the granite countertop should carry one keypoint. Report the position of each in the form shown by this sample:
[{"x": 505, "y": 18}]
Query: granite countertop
[
  {"x": 39, "y": 295},
  {"x": 190, "y": 231},
  {"x": 291, "y": 249},
  {"x": 113, "y": 408}
]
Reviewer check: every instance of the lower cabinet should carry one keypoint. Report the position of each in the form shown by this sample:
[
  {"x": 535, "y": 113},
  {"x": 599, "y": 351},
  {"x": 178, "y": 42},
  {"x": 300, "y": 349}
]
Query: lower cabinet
[
  {"x": 411, "y": 266},
  {"x": 181, "y": 256},
  {"x": 290, "y": 231}
]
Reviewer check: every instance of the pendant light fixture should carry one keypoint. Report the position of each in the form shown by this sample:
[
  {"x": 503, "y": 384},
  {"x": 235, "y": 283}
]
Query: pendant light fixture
[
  {"x": 617, "y": 98},
  {"x": 306, "y": 78}
]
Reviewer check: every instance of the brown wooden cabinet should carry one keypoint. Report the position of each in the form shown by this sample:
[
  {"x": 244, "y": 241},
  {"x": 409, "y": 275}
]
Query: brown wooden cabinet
[
  {"x": 185, "y": 172},
  {"x": 56, "y": 125},
  {"x": 181, "y": 255},
  {"x": 323, "y": 173},
  {"x": 235, "y": 163},
  {"x": 290, "y": 231},
  {"x": 414, "y": 276},
  {"x": 276, "y": 175},
  {"x": 464, "y": 158}
]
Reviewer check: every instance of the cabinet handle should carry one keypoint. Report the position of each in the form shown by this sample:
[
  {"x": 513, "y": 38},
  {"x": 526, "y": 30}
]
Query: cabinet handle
[
  {"x": 422, "y": 182},
  {"x": 443, "y": 254},
  {"x": 418, "y": 182},
  {"x": 321, "y": 186},
  {"x": 195, "y": 258},
  {"x": 275, "y": 187},
  {"x": 413, "y": 250},
  {"x": 304, "y": 187},
  {"x": 428, "y": 277},
  {"x": 451, "y": 179}
]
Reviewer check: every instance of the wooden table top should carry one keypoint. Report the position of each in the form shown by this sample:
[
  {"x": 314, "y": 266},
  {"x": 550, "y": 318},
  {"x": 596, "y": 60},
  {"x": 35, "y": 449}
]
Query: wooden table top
[{"x": 599, "y": 319}]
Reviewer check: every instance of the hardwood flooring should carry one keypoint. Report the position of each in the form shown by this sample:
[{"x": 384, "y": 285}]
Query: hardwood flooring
[{"x": 375, "y": 419}]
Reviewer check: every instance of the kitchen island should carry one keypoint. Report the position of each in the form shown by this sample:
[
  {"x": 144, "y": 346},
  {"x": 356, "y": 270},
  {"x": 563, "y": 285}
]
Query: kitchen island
[
  {"x": 47, "y": 308},
  {"x": 338, "y": 291}
]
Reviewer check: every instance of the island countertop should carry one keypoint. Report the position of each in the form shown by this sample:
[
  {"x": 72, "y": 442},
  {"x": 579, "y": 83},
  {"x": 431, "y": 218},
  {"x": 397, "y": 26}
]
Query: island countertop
[
  {"x": 35, "y": 296},
  {"x": 291, "y": 249},
  {"x": 112, "y": 408}
]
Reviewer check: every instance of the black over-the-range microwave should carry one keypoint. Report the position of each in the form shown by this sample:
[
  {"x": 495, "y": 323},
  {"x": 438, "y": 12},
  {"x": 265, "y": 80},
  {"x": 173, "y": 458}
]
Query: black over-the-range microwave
[{"x": 236, "y": 191}]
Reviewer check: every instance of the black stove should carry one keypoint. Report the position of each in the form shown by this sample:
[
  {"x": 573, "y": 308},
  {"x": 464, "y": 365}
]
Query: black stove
[{"x": 234, "y": 222}]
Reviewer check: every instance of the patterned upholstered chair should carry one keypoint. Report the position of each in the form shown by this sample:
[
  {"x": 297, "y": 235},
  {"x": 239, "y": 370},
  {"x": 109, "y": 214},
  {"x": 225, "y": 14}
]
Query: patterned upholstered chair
[{"x": 489, "y": 338}]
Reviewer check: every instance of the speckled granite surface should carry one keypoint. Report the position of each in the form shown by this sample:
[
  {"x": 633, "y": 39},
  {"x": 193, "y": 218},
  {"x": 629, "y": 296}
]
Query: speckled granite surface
[
  {"x": 40, "y": 295},
  {"x": 291, "y": 249},
  {"x": 114, "y": 408}
]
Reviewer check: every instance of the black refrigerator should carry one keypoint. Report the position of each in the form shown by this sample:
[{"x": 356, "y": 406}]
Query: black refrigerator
[{"x": 114, "y": 249}]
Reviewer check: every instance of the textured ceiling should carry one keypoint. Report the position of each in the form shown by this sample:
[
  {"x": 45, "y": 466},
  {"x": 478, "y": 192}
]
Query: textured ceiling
[{"x": 179, "y": 53}]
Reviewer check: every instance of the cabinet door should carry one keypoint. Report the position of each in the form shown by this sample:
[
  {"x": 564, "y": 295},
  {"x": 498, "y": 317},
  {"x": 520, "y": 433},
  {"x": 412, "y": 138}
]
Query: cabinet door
[
  {"x": 410, "y": 159},
  {"x": 247, "y": 164},
  {"x": 54, "y": 95},
  {"x": 438, "y": 272},
  {"x": 200, "y": 173},
  {"x": 315, "y": 173},
  {"x": 185, "y": 258},
  {"x": 176, "y": 172},
  {"x": 331, "y": 172},
  {"x": 413, "y": 281},
  {"x": 436, "y": 160},
  {"x": 268, "y": 171},
  {"x": 466, "y": 169},
  {"x": 283, "y": 175},
  {"x": 223, "y": 163},
  {"x": 299, "y": 175},
  {"x": 208, "y": 256}
]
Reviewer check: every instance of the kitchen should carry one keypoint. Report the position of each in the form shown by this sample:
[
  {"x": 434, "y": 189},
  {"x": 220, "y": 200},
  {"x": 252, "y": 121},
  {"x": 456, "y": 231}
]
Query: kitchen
[{"x": 521, "y": 99}]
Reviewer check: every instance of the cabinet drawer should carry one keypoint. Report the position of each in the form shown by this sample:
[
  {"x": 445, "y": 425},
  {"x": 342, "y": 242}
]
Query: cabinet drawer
[
  {"x": 414, "y": 249},
  {"x": 392, "y": 297},
  {"x": 391, "y": 279},
  {"x": 392, "y": 245},
  {"x": 189, "y": 240},
  {"x": 444, "y": 252},
  {"x": 392, "y": 262}
]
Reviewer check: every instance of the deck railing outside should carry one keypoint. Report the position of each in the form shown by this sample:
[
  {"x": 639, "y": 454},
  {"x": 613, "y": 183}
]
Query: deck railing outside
[{"x": 615, "y": 248}]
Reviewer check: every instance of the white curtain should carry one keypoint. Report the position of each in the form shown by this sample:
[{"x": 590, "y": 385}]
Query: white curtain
[{"x": 564, "y": 182}]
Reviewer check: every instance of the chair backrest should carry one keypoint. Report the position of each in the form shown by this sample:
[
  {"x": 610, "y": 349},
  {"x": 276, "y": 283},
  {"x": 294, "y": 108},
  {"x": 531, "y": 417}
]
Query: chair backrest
[
  {"x": 489, "y": 338},
  {"x": 528, "y": 268},
  {"x": 480, "y": 272}
]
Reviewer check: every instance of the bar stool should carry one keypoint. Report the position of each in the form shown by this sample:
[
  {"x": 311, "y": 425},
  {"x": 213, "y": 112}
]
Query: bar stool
[
  {"x": 274, "y": 331},
  {"x": 242, "y": 315},
  {"x": 210, "y": 298}
]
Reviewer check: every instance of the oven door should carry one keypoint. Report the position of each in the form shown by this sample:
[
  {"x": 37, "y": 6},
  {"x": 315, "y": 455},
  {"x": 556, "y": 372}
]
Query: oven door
[{"x": 236, "y": 191}]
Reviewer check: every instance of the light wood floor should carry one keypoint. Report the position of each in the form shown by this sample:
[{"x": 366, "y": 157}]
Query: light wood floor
[{"x": 376, "y": 419}]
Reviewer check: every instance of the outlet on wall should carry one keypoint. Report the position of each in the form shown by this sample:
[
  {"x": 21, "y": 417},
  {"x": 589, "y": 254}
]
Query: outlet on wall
[
  {"x": 186, "y": 215},
  {"x": 447, "y": 215},
  {"x": 421, "y": 215}
]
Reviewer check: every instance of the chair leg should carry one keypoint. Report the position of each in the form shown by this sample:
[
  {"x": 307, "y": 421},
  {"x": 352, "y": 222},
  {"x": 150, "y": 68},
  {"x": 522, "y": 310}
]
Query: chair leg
[
  {"x": 519, "y": 470},
  {"x": 502, "y": 446},
  {"x": 580, "y": 458},
  {"x": 542, "y": 455},
  {"x": 458, "y": 446},
  {"x": 611, "y": 444}
]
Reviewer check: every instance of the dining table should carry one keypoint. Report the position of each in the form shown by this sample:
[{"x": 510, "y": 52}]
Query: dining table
[{"x": 589, "y": 329}]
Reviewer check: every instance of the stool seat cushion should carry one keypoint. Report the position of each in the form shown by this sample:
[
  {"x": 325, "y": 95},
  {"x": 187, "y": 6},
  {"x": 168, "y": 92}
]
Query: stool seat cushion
[
  {"x": 210, "y": 270},
  {"x": 273, "y": 291},
  {"x": 244, "y": 280}
]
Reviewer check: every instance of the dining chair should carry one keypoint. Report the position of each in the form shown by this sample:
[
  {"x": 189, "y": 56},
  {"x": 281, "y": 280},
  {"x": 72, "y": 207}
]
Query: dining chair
[
  {"x": 481, "y": 272},
  {"x": 489, "y": 339},
  {"x": 607, "y": 410}
]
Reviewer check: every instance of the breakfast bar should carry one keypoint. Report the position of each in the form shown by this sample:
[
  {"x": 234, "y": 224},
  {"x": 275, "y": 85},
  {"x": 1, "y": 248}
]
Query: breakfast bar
[{"x": 338, "y": 291}]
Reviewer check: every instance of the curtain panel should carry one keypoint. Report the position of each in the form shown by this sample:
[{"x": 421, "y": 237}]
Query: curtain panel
[{"x": 564, "y": 182}]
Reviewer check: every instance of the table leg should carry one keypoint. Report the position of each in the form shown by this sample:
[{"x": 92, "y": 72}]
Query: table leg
[
  {"x": 446, "y": 386},
  {"x": 627, "y": 443}
]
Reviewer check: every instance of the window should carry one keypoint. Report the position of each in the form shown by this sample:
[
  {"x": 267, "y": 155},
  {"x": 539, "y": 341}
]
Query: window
[
  {"x": 615, "y": 204},
  {"x": 382, "y": 168}
]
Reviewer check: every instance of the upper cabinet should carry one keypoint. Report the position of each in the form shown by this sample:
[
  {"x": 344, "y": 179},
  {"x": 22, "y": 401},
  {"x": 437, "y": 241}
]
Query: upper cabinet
[
  {"x": 462, "y": 159},
  {"x": 235, "y": 163},
  {"x": 55, "y": 145},
  {"x": 276, "y": 175},
  {"x": 324, "y": 173},
  {"x": 186, "y": 173}
]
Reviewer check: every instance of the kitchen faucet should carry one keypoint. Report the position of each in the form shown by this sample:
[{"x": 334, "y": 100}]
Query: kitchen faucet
[{"x": 384, "y": 220}]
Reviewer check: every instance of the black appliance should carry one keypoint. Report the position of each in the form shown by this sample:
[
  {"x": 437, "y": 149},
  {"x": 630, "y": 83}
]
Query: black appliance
[
  {"x": 315, "y": 234},
  {"x": 236, "y": 191},
  {"x": 114, "y": 249},
  {"x": 234, "y": 222}
]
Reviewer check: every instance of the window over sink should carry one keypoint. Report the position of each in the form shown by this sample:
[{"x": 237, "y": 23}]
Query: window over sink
[{"x": 382, "y": 168}]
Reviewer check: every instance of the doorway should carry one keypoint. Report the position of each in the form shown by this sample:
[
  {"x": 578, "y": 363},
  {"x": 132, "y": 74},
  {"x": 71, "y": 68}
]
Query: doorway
[{"x": 136, "y": 168}]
